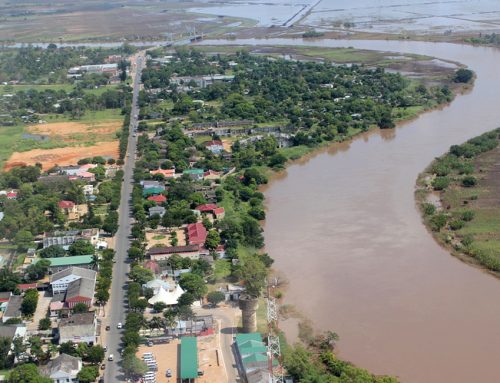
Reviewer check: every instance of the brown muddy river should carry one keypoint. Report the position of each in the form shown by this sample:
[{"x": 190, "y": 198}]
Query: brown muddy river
[{"x": 344, "y": 229}]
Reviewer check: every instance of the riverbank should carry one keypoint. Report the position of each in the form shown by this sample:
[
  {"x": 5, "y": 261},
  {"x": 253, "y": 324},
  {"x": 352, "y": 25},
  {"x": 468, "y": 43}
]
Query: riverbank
[{"x": 459, "y": 198}]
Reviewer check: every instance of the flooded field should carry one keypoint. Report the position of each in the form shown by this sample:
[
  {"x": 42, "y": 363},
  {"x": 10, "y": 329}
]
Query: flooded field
[{"x": 343, "y": 227}]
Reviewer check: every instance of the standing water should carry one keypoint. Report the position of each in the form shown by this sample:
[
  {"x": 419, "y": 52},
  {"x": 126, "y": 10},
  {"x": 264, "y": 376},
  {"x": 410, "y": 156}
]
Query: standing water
[{"x": 344, "y": 228}]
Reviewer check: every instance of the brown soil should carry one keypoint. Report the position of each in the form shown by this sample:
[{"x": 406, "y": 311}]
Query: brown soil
[
  {"x": 67, "y": 130},
  {"x": 61, "y": 156}
]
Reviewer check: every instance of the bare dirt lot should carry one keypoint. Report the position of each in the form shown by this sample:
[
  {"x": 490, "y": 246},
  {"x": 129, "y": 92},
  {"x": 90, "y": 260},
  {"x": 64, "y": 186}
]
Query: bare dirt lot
[
  {"x": 72, "y": 131},
  {"x": 61, "y": 156}
]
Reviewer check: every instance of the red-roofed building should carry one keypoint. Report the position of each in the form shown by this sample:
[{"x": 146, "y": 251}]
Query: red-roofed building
[
  {"x": 86, "y": 176},
  {"x": 206, "y": 208},
  {"x": 26, "y": 286},
  {"x": 12, "y": 195},
  {"x": 68, "y": 207},
  {"x": 153, "y": 266},
  {"x": 219, "y": 213},
  {"x": 160, "y": 198},
  {"x": 167, "y": 173},
  {"x": 197, "y": 234},
  {"x": 215, "y": 146},
  {"x": 212, "y": 175}
]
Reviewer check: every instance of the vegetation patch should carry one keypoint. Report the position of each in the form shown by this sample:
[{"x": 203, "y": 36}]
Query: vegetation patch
[{"x": 466, "y": 219}]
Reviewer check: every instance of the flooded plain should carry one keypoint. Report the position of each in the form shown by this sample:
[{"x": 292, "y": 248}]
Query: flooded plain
[{"x": 344, "y": 228}]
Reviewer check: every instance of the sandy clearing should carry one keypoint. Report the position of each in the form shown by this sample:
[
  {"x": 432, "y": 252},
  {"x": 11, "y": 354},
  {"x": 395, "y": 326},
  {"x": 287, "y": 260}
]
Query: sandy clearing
[
  {"x": 61, "y": 156},
  {"x": 66, "y": 129}
]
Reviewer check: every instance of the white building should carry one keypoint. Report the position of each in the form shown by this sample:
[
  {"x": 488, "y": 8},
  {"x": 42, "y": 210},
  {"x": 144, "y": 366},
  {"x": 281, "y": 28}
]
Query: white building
[{"x": 61, "y": 280}]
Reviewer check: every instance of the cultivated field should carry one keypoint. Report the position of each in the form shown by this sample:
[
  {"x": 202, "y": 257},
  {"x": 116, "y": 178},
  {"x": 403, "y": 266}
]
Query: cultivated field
[{"x": 77, "y": 131}]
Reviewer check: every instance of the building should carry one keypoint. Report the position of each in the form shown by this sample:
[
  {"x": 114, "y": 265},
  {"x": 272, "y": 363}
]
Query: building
[
  {"x": 167, "y": 173},
  {"x": 78, "y": 328},
  {"x": 156, "y": 210},
  {"x": 13, "y": 309},
  {"x": 13, "y": 331},
  {"x": 159, "y": 199},
  {"x": 61, "y": 280},
  {"x": 155, "y": 285},
  {"x": 61, "y": 263},
  {"x": 153, "y": 191},
  {"x": 211, "y": 208},
  {"x": 88, "y": 189},
  {"x": 91, "y": 235},
  {"x": 66, "y": 206},
  {"x": 80, "y": 291},
  {"x": 151, "y": 184},
  {"x": 214, "y": 146},
  {"x": 252, "y": 357},
  {"x": 195, "y": 174},
  {"x": 161, "y": 253},
  {"x": 60, "y": 238},
  {"x": 189, "y": 359},
  {"x": 212, "y": 175},
  {"x": 62, "y": 369},
  {"x": 232, "y": 292},
  {"x": 169, "y": 297},
  {"x": 196, "y": 233}
]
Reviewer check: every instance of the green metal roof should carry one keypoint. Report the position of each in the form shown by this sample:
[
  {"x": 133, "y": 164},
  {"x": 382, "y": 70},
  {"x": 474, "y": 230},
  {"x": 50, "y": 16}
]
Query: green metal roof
[
  {"x": 189, "y": 358},
  {"x": 251, "y": 347},
  {"x": 193, "y": 171},
  {"x": 75, "y": 260},
  {"x": 242, "y": 338},
  {"x": 255, "y": 358},
  {"x": 153, "y": 190}
]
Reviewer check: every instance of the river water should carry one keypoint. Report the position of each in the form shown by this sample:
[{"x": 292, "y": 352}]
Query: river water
[{"x": 344, "y": 228}]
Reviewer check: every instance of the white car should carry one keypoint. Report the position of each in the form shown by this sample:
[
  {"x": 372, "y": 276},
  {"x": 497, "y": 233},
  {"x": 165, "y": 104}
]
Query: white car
[
  {"x": 119, "y": 325},
  {"x": 110, "y": 357}
]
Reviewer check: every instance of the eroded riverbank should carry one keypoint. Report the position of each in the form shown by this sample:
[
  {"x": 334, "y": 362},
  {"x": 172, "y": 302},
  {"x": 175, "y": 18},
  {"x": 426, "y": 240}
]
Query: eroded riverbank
[{"x": 344, "y": 229}]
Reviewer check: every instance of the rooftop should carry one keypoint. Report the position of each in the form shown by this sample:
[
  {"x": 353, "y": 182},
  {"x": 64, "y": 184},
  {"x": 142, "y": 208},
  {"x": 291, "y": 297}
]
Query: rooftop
[
  {"x": 189, "y": 358},
  {"x": 79, "y": 271},
  {"x": 80, "y": 319},
  {"x": 69, "y": 261}
]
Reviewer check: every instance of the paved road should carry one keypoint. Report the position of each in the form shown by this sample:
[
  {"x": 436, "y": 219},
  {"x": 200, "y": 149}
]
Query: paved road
[{"x": 116, "y": 306}]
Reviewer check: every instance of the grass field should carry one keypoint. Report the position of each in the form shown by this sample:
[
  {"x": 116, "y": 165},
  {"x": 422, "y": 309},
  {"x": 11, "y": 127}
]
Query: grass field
[{"x": 10, "y": 89}]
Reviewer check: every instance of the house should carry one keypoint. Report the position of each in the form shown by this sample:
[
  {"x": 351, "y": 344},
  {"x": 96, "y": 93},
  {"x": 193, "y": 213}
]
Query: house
[
  {"x": 26, "y": 286},
  {"x": 55, "y": 309},
  {"x": 252, "y": 357},
  {"x": 217, "y": 212},
  {"x": 62, "y": 369},
  {"x": 161, "y": 253},
  {"x": 66, "y": 206},
  {"x": 151, "y": 184},
  {"x": 195, "y": 174},
  {"x": 153, "y": 191},
  {"x": 167, "y": 173},
  {"x": 4, "y": 296},
  {"x": 13, "y": 309},
  {"x": 13, "y": 331},
  {"x": 86, "y": 176},
  {"x": 159, "y": 199},
  {"x": 80, "y": 291},
  {"x": 61, "y": 263},
  {"x": 78, "y": 212},
  {"x": 61, "y": 280},
  {"x": 156, "y": 210},
  {"x": 152, "y": 265},
  {"x": 70, "y": 170},
  {"x": 78, "y": 328},
  {"x": 12, "y": 195},
  {"x": 91, "y": 235},
  {"x": 88, "y": 189},
  {"x": 196, "y": 233},
  {"x": 215, "y": 146},
  {"x": 212, "y": 175}
]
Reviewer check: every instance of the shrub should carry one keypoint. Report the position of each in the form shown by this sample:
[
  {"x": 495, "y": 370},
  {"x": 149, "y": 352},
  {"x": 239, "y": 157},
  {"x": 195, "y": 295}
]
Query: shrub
[
  {"x": 468, "y": 215},
  {"x": 428, "y": 208},
  {"x": 456, "y": 224},
  {"x": 469, "y": 181},
  {"x": 437, "y": 222},
  {"x": 440, "y": 183}
]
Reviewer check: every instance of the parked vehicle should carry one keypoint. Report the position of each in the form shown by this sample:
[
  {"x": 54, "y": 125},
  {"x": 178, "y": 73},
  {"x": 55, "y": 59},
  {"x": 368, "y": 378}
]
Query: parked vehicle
[
  {"x": 169, "y": 373},
  {"x": 110, "y": 357}
]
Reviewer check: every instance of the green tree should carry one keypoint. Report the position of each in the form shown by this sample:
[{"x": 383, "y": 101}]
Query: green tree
[
  {"x": 52, "y": 251},
  {"x": 193, "y": 284},
  {"x": 215, "y": 297},
  {"x": 134, "y": 367},
  {"x": 140, "y": 274},
  {"x": 29, "y": 303},
  {"x": 469, "y": 181},
  {"x": 6, "y": 360},
  {"x": 463, "y": 75},
  {"x": 88, "y": 374},
  {"x": 27, "y": 373},
  {"x": 159, "y": 307},
  {"x": 80, "y": 308},
  {"x": 212, "y": 240},
  {"x": 95, "y": 354},
  {"x": 23, "y": 240},
  {"x": 186, "y": 299},
  {"x": 253, "y": 273},
  {"x": 81, "y": 247},
  {"x": 44, "y": 324}
]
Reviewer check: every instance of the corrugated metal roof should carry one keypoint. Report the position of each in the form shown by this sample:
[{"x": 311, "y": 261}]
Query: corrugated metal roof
[{"x": 189, "y": 358}]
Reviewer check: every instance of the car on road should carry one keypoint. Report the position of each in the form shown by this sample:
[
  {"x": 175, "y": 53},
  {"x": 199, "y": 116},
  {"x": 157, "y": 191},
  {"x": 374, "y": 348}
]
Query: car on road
[
  {"x": 105, "y": 348},
  {"x": 103, "y": 366},
  {"x": 111, "y": 357},
  {"x": 119, "y": 325},
  {"x": 108, "y": 328},
  {"x": 169, "y": 373}
]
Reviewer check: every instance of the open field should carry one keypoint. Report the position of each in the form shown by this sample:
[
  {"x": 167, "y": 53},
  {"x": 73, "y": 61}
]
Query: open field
[
  {"x": 77, "y": 131},
  {"x": 61, "y": 156}
]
